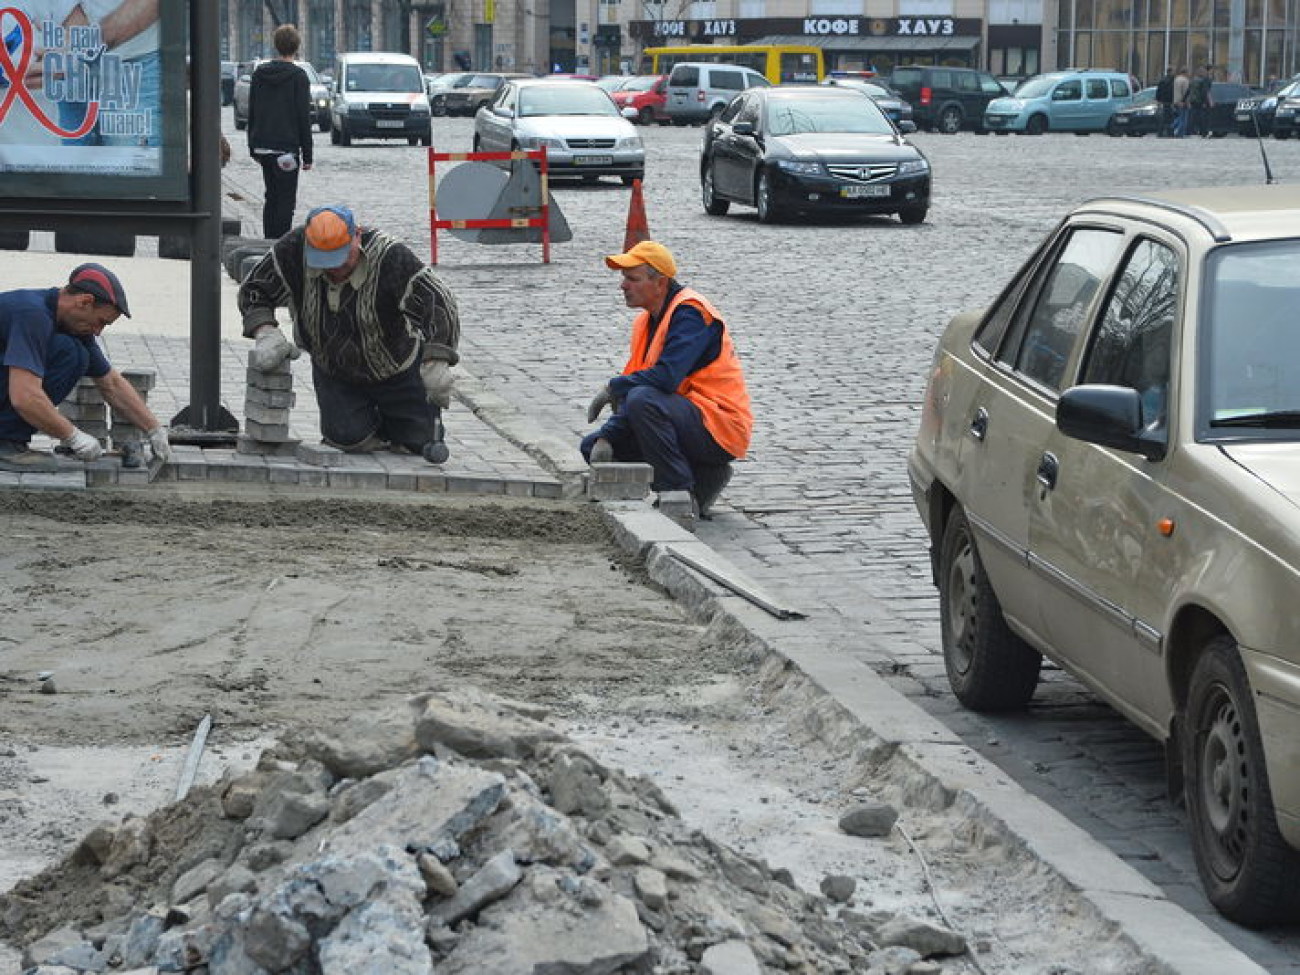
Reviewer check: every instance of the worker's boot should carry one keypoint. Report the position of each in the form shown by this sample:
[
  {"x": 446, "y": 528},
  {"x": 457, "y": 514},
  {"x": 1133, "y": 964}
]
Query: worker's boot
[
  {"x": 709, "y": 484},
  {"x": 435, "y": 451}
]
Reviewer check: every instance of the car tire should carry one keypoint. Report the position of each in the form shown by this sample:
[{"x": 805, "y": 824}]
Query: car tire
[
  {"x": 324, "y": 124},
  {"x": 1278, "y": 134},
  {"x": 412, "y": 140},
  {"x": 427, "y": 139},
  {"x": 1248, "y": 871},
  {"x": 768, "y": 209},
  {"x": 913, "y": 215},
  {"x": 713, "y": 205},
  {"x": 989, "y": 667},
  {"x": 240, "y": 124},
  {"x": 436, "y": 107},
  {"x": 949, "y": 121},
  {"x": 345, "y": 137},
  {"x": 1113, "y": 129},
  {"x": 646, "y": 116},
  {"x": 335, "y": 135},
  {"x": 1036, "y": 125}
]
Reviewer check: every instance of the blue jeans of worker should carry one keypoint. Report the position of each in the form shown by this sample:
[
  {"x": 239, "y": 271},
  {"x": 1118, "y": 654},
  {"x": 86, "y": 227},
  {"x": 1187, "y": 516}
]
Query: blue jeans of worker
[
  {"x": 65, "y": 364},
  {"x": 397, "y": 410},
  {"x": 666, "y": 431}
]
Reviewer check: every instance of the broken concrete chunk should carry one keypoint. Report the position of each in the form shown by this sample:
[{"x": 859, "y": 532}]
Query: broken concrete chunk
[
  {"x": 625, "y": 850},
  {"x": 674, "y": 865},
  {"x": 43, "y": 951},
  {"x": 869, "y": 819},
  {"x": 275, "y": 941},
  {"x": 96, "y": 845},
  {"x": 385, "y": 937},
  {"x": 437, "y": 878},
  {"x": 238, "y": 879},
  {"x": 729, "y": 958},
  {"x": 575, "y": 786},
  {"x": 838, "y": 887},
  {"x": 357, "y": 796},
  {"x": 196, "y": 880},
  {"x": 475, "y": 726},
  {"x": 651, "y": 886},
  {"x": 365, "y": 744},
  {"x": 131, "y": 845},
  {"x": 239, "y": 798},
  {"x": 921, "y": 936},
  {"x": 493, "y": 881},
  {"x": 290, "y": 814}
]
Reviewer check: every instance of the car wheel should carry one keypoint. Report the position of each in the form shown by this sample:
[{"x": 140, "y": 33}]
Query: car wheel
[
  {"x": 240, "y": 124},
  {"x": 324, "y": 124},
  {"x": 713, "y": 206},
  {"x": 426, "y": 139},
  {"x": 768, "y": 209},
  {"x": 412, "y": 140},
  {"x": 345, "y": 137},
  {"x": 646, "y": 116},
  {"x": 950, "y": 120},
  {"x": 335, "y": 135},
  {"x": 1036, "y": 125},
  {"x": 913, "y": 215},
  {"x": 1279, "y": 134},
  {"x": 989, "y": 667},
  {"x": 1247, "y": 869},
  {"x": 1113, "y": 129},
  {"x": 436, "y": 107}
]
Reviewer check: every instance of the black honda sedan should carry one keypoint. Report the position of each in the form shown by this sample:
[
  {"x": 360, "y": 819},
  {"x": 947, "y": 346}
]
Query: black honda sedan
[{"x": 811, "y": 150}]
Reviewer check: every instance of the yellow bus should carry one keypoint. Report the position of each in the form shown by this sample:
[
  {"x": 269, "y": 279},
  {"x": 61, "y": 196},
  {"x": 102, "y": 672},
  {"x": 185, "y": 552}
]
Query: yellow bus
[{"x": 777, "y": 62}]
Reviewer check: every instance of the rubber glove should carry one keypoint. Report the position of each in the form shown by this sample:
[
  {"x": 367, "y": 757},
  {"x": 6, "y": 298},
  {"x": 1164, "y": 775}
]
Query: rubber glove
[
  {"x": 601, "y": 400},
  {"x": 436, "y": 376},
  {"x": 83, "y": 445},
  {"x": 271, "y": 349},
  {"x": 159, "y": 444}
]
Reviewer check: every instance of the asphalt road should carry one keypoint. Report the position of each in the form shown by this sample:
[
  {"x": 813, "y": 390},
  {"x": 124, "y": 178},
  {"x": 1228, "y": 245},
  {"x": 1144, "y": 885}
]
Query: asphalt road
[{"x": 836, "y": 323}]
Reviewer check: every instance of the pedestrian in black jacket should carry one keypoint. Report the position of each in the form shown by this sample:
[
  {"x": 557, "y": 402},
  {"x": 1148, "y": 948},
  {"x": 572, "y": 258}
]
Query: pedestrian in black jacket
[
  {"x": 1165, "y": 99},
  {"x": 279, "y": 129}
]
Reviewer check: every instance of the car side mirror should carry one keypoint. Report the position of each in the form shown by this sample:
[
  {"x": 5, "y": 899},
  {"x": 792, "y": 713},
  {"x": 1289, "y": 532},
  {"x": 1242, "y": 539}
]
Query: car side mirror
[
  {"x": 907, "y": 127},
  {"x": 629, "y": 112},
  {"x": 743, "y": 128},
  {"x": 1109, "y": 416}
]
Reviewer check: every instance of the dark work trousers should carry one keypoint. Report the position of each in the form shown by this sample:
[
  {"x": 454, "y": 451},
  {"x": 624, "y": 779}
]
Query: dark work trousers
[
  {"x": 65, "y": 363},
  {"x": 666, "y": 431},
  {"x": 397, "y": 410},
  {"x": 281, "y": 196}
]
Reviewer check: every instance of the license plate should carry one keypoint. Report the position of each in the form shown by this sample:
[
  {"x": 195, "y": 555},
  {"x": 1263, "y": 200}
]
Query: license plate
[
  {"x": 593, "y": 160},
  {"x": 389, "y": 123},
  {"x": 1121, "y": 120},
  {"x": 1243, "y": 116},
  {"x": 859, "y": 192}
]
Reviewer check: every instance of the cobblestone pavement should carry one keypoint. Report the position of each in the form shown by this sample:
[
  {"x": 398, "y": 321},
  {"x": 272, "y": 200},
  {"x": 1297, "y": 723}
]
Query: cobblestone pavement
[{"x": 836, "y": 324}]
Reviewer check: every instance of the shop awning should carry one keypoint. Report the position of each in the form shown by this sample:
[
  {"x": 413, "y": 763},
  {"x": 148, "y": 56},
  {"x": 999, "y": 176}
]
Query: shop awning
[{"x": 892, "y": 42}]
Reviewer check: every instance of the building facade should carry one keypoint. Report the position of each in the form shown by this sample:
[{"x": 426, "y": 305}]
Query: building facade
[{"x": 1251, "y": 40}]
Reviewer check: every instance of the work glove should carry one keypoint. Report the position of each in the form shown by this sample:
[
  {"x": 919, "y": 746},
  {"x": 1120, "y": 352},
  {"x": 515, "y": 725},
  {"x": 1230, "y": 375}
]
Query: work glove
[
  {"x": 271, "y": 350},
  {"x": 158, "y": 443},
  {"x": 436, "y": 376},
  {"x": 83, "y": 445},
  {"x": 601, "y": 400}
]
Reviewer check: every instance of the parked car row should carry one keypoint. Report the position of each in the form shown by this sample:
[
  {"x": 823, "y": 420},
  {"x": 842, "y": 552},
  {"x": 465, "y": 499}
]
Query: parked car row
[{"x": 1143, "y": 116}]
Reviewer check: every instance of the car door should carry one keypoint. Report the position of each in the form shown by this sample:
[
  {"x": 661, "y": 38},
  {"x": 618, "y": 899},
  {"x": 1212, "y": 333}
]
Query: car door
[
  {"x": 1011, "y": 419},
  {"x": 1097, "y": 104},
  {"x": 1093, "y": 525},
  {"x": 732, "y": 151},
  {"x": 494, "y": 126},
  {"x": 1067, "y": 105}
]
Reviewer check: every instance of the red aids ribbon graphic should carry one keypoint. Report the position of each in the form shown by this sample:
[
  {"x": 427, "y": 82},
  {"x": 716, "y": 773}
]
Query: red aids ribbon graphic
[{"x": 17, "y": 75}]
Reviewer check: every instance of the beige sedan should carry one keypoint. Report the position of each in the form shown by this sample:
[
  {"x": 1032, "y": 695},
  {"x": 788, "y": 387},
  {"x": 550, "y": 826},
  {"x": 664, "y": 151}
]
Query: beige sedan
[{"x": 1108, "y": 464}]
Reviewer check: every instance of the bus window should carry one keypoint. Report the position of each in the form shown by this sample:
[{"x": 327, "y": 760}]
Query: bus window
[
  {"x": 799, "y": 67},
  {"x": 776, "y": 62}
]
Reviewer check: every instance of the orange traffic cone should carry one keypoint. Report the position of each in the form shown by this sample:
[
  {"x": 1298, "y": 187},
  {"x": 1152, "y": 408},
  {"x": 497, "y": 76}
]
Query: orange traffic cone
[{"x": 637, "y": 228}]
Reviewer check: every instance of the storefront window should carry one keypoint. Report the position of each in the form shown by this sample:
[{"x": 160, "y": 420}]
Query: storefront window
[{"x": 1082, "y": 49}]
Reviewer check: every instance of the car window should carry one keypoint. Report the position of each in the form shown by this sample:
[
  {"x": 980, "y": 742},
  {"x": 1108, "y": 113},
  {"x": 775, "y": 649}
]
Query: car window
[
  {"x": 1120, "y": 89},
  {"x": 688, "y": 77},
  {"x": 1134, "y": 339},
  {"x": 734, "y": 108},
  {"x": 1056, "y": 318},
  {"x": 506, "y": 99},
  {"x": 1098, "y": 88},
  {"x": 727, "y": 80},
  {"x": 1068, "y": 91},
  {"x": 942, "y": 80},
  {"x": 990, "y": 85},
  {"x": 967, "y": 82},
  {"x": 902, "y": 77},
  {"x": 1035, "y": 87},
  {"x": 757, "y": 81},
  {"x": 1249, "y": 332}
]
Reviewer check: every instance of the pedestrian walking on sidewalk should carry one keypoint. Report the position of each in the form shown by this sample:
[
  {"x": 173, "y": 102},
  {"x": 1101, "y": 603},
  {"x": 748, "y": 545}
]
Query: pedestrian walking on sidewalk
[
  {"x": 680, "y": 404},
  {"x": 48, "y": 341},
  {"x": 381, "y": 329},
  {"x": 279, "y": 129}
]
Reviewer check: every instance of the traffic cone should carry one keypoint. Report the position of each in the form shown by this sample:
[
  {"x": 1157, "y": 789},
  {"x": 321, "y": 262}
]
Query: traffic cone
[{"x": 637, "y": 228}]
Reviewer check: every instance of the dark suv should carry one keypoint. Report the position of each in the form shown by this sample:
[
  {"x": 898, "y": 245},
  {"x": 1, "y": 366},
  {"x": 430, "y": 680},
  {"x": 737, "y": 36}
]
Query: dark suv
[{"x": 946, "y": 99}]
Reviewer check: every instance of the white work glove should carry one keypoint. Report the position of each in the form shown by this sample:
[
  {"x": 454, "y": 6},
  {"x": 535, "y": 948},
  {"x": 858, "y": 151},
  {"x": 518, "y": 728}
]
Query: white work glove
[
  {"x": 271, "y": 349},
  {"x": 83, "y": 445},
  {"x": 601, "y": 400},
  {"x": 436, "y": 376},
  {"x": 158, "y": 443}
]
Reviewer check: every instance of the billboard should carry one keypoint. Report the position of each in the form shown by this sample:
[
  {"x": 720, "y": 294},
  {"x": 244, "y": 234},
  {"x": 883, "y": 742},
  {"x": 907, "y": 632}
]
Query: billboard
[{"x": 93, "y": 100}]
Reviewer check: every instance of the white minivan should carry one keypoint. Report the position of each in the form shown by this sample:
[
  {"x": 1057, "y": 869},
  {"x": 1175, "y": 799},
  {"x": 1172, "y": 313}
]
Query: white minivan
[
  {"x": 698, "y": 91},
  {"x": 378, "y": 95}
]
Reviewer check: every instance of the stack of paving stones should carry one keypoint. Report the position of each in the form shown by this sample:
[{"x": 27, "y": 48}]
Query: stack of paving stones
[
  {"x": 86, "y": 409},
  {"x": 268, "y": 398},
  {"x": 123, "y": 431}
]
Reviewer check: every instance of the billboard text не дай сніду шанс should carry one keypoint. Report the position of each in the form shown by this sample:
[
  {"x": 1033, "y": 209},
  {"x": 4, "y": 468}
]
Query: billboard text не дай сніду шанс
[{"x": 93, "y": 99}]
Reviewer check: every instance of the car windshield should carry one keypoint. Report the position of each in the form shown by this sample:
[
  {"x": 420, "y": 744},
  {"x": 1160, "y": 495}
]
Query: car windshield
[
  {"x": 640, "y": 83},
  {"x": 1249, "y": 332},
  {"x": 565, "y": 99},
  {"x": 483, "y": 81},
  {"x": 1144, "y": 96},
  {"x": 794, "y": 116},
  {"x": 385, "y": 77},
  {"x": 1036, "y": 87},
  {"x": 613, "y": 82}
]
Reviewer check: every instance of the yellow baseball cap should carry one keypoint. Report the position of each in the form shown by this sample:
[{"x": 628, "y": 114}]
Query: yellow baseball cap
[{"x": 647, "y": 252}]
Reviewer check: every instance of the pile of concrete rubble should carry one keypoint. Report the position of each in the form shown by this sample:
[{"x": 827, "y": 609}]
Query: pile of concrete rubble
[{"x": 457, "y": 833}]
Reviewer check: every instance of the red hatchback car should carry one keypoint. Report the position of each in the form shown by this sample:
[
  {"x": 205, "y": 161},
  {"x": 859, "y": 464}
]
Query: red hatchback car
[{"x": 647, "y": 94}]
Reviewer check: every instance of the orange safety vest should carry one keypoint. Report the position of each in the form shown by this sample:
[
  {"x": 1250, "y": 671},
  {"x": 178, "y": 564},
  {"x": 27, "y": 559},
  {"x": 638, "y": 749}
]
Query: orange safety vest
[{"x": 718, "y": 389}]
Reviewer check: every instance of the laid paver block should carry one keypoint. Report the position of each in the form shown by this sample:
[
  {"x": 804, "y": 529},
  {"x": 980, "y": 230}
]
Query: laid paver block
[
  {"x": 320, "y": 455},
  {"x": 358, "y": 478},
  {"x": 54, "y": 481},
  {"x": 468, "y": 484},
  {"x": 401, "y": 480},
  {"x": 245, "y": 444},
  {"x": 313, "y": 477}
]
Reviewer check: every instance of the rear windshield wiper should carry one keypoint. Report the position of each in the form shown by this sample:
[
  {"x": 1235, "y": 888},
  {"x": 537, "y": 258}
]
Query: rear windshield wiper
[{"x": 1275, "y": 418}]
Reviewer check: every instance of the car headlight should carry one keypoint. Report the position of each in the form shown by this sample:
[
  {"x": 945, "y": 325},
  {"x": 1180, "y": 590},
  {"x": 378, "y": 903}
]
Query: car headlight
[
  {"x": 420, "y": 108},
  {"x": 910, "y": 167},
  {"x": 630, "y": 142},
  {"x": 540, "y": 142},
  {"x": 800, "y": 168}
]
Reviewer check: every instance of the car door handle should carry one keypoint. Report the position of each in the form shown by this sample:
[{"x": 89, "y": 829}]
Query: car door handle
[
  {"x": 979, "y": 425},
  {"x": 1048, "y": 468}
]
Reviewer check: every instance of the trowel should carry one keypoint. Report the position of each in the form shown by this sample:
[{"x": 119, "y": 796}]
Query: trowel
[{"x": 133, "y": 456}]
